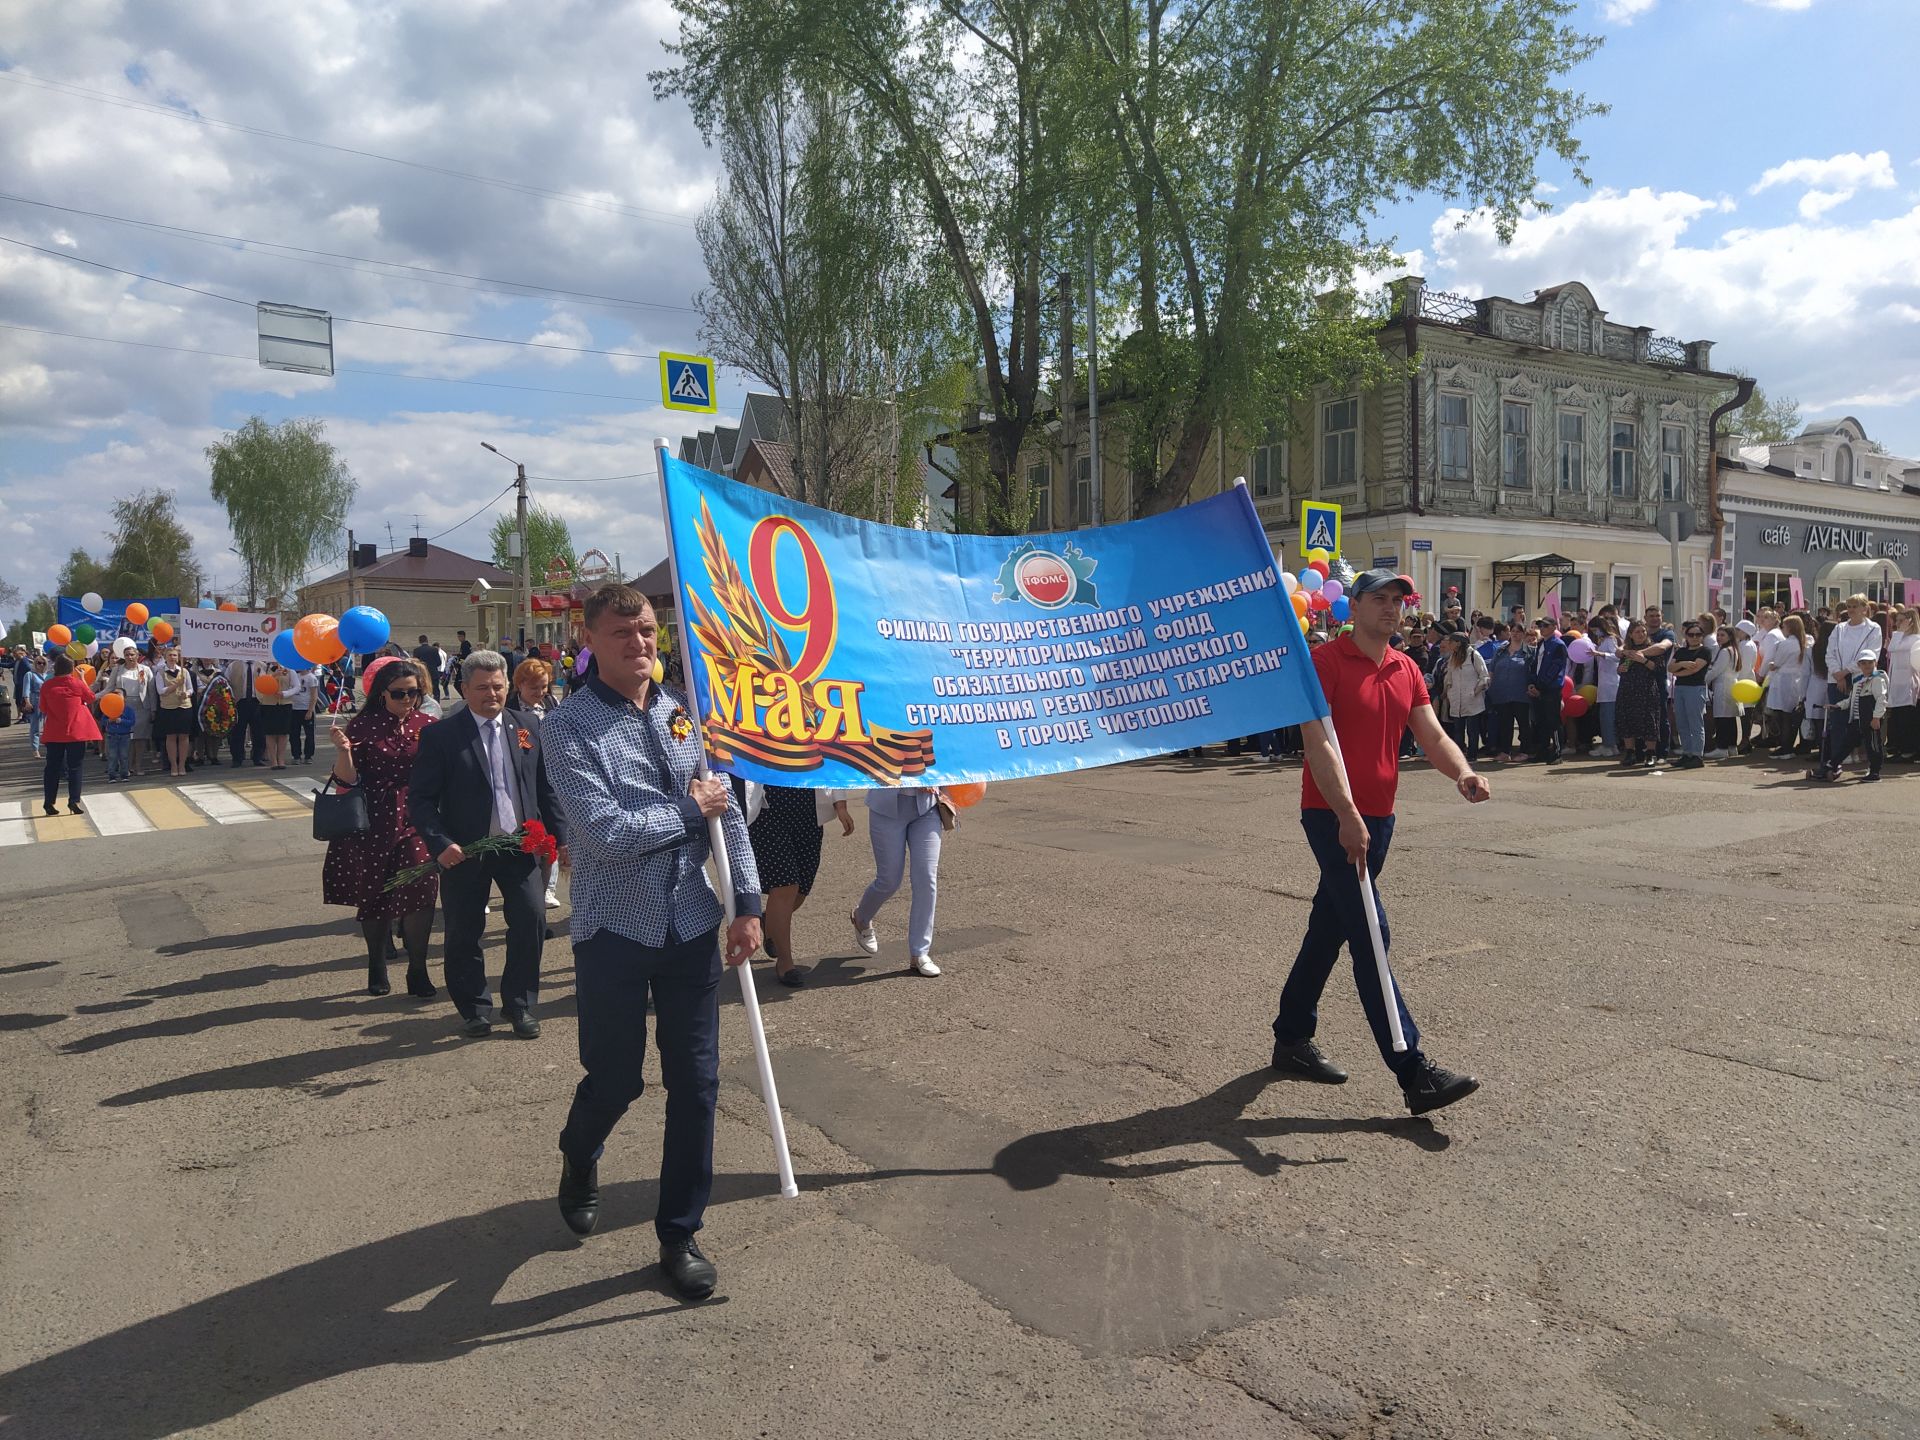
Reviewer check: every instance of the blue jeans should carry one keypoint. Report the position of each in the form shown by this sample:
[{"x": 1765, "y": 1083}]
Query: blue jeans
[
  {"x": 894, "y": 842},
  {"x": 1608, "y": 737},
  {"x": 612, "y": 976},
  {"x": 1689, "y": 714},
  {"x": 1337, "y": 916},
  {"x": 34, "y": 722},
  {"x": 117, "y": 748}
]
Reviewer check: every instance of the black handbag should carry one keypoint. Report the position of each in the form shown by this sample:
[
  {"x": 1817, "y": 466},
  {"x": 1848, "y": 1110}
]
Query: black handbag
[{"x": 338, "y": 814}]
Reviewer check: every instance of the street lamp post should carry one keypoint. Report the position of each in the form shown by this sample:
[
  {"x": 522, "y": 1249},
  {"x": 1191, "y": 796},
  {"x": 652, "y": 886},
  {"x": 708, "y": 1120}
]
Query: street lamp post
[{"x": 520, "y": 528}]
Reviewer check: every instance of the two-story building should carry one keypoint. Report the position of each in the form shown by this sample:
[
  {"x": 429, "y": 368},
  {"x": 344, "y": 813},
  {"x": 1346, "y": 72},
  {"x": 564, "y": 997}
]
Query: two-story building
[
  {"x": 1827, "y": 511},
  {"x": 1528, "y": 450}
]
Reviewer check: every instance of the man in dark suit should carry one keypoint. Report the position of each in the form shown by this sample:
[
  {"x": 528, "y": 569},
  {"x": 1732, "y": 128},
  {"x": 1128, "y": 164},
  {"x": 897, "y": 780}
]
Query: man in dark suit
[{"x": 480, "y": 773}]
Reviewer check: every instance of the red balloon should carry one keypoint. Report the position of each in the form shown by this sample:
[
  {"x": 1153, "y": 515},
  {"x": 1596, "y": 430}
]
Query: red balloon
[
  {"x": 1319, "y": 602},
  {"x": 1321, "y": 566},
  {"x": 1573, "y": 709},
  {"x": 966, "y": 796},
  {"x": 1566, "y": 689}
]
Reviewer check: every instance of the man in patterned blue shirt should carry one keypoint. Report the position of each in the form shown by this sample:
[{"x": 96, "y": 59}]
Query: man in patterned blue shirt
[{"x": 621, "y": 754}]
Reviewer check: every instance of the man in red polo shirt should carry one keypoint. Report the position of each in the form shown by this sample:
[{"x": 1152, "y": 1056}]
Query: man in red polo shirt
[{"x": 1375, "y": 692}]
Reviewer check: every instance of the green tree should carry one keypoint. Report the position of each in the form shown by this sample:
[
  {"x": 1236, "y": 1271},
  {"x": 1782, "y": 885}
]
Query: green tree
[
  {"x": 286, "y": 494},
  {"x": 152, "y": 551},
  {"x": 548, "y": 539},
  {"x": 41, "y": 612},
  {"x": 80, "y": 574},
  {"x": 1765, "y": 420}
]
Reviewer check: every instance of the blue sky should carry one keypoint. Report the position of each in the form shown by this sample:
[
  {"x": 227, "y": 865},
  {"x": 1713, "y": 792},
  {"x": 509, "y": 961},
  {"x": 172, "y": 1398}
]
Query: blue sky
[{"x": 1757, "y": 182}]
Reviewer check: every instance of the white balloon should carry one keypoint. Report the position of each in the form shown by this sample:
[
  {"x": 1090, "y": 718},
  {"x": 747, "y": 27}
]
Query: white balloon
[
  {"x": 91, "y": 602},
  {"x": 123, "y": 645},
  {"x": 93, "y": 648},
  {"x": 1288, "y": 579}
]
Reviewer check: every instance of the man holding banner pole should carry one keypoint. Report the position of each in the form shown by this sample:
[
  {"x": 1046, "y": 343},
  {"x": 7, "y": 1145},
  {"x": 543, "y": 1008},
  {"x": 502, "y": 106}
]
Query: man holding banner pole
[{"x": 1374, "y": 693}]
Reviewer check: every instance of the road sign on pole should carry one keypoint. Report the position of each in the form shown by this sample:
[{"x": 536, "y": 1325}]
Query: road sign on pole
[
  {"x": 1319, "y": 527},
  {"x": 686, "y": 383}
]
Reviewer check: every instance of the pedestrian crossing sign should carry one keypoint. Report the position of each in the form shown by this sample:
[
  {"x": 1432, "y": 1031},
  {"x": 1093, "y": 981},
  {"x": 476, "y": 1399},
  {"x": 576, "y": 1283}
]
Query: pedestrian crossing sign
[
  {"x": 1319, "y": 527},
  {"x": 686, "y": 383}
]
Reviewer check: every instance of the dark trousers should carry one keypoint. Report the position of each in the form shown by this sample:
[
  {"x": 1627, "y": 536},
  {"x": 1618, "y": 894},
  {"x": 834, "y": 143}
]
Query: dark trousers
[
  {"x": 249, "y": 732},
  {"x": 612, "y": 976},
  {"x": 1512, "y": 727},
  {"x": 1903, "y": 730},
  {"x": 1875, "y": 742},
  {"x": 1546, "y": 725},
  {"x": 1338, "y": 917},
  {"x": 300, "y": 743},
  {"x": 1838, "y": 742},
  {"x": 463, "y": 899},
  {"x": 1465, "y": 732},
  {"x": 68, "y": 757}
]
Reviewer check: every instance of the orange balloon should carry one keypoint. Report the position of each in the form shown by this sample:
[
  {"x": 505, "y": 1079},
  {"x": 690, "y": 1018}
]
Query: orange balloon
[
  {"x": 316, "y": 638},
  {"x": 266, "y": 684},
  {"x": 1301, "y": 604},
  {"x": 60, "y": 635},
  {"x": 228, "y": 605},
  {"x": 966, "y": 796},
  {"x": 161, "y": 631},
  {"x": 112, "y": 703},
  {"x": 137, "y": 614},
  {"x": 86, "y": 673}
]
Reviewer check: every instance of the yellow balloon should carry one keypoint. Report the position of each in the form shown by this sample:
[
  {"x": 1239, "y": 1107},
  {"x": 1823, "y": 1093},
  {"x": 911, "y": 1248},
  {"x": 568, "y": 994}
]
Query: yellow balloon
[
  {"x": 1746, "y": 692},
  {"x": 1590, "y": 693},
  {"x": 659, "y": 673},
  {"x": 1317, "y": 554}
]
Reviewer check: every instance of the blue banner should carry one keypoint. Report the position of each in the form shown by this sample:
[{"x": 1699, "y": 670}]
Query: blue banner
[
  {"x": 110, "y": 620},
  {"x": 826, "y": 651}
]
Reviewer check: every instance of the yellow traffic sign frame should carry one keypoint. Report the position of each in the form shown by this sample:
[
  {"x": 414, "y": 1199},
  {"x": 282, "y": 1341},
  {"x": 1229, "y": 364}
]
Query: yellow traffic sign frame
[
  {"x": 1310, "y": 510},
  {"x": 667, "y": 398}
]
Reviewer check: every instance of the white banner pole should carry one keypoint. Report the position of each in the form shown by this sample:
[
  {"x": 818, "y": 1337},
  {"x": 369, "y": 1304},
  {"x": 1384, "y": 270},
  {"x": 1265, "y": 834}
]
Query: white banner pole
[
  {"x": 1388, "y": 993},
  {"x": 717, "y": 841}
]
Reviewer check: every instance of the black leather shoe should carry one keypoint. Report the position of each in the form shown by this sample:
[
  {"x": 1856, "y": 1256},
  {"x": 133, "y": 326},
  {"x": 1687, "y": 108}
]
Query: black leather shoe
[
  {"x": 478, "y": 1027},
  {"x": 525, "y": 1025},
  {"x": 377, "y": 983},
  {"x": 688, "y": 1271},
  {"x": 1303, "y": 1061},
  {"x": 579, "y": 1197},
  {"x": 420, "y": 984},
  {"x": 1428, "y": 1087}
]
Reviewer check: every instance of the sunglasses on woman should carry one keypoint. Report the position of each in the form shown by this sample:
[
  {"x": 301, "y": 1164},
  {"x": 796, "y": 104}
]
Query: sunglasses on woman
[{"x": 410, "y": 694}]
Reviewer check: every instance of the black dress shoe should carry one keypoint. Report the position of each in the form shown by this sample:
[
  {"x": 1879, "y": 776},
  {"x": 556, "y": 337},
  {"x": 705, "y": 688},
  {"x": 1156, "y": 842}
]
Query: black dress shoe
[
  {"x": 478, "y": 1027},
  {"x": 1428, "y": 1087},
  {"x": 377, "y": 983},
  {"x": 73, "y": 808},
  {"x": 1303, "y": 1061},
  {"x": 579, "y": 1196},
  {"x": 525, "y": 1025},
  {"x": 688, "y": 1271},
  {"x": 420, "y": 984}
]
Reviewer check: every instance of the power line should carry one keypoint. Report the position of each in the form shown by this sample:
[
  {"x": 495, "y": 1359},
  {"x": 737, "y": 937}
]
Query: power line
[
  {"x": 63, "y": 87},
  {"x": 337, "y": 319},
  {"x": 476, "y": 514},
  {"x": 419, "y": 272}
]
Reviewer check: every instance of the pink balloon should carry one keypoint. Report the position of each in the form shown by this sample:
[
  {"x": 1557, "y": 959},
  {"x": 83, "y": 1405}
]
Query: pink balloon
[{"x": 580, "y": 660}]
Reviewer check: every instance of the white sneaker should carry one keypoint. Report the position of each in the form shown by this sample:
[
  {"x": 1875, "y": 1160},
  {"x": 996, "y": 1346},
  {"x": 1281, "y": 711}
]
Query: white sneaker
[
  {"x": 923, "y": 965},
  {"x": 864, "y": 936},
  {"x": 1714, "y": 755},
  {"x": 553, "y": 900}
]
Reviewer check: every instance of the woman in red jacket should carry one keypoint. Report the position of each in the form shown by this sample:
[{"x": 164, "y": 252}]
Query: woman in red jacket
[{"x": 68, "y": 729}]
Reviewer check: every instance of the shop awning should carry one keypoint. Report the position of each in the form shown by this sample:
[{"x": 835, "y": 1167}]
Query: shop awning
[
  {"x": 1843, "y": 570},
  {"x": 1544, "y": 566}
]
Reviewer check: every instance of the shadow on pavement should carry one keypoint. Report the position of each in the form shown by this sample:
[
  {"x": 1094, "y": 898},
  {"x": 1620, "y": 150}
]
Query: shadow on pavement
[
  {"x": 1035, "y": 1161},
  {"x": 256, "y": 939},
  {"x": 247, "y": 977},
  {"x": 218, "y": 1357},
  {"x": 325, "y": 1007}
]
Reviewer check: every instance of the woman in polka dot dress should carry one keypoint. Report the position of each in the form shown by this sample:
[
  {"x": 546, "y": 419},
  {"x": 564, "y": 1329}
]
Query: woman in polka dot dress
[
  {"x": 786, "y": 851},
  {"x": 375, "y": 752}
]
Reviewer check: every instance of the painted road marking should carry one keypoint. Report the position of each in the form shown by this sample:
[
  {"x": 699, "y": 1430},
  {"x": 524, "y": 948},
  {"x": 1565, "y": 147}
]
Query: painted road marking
[
  {"x": 15, "y": 827},
  {"x": 303, "y": 788},
  {"x": 270, "y": 799},
  {"x": 221, "y": 804},
  {"x": 48, "y": 828},
  {"x": 116, "y": 814},
  {"x": 167, "y": 810}
]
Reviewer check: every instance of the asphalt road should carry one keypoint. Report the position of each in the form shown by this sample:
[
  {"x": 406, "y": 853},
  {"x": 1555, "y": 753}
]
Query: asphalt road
[{"x": 1052, "y": 1193}]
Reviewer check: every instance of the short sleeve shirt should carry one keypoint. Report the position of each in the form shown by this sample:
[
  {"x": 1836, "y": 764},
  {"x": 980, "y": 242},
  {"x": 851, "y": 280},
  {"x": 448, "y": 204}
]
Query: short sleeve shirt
[{"x": 1371, "y": 704}]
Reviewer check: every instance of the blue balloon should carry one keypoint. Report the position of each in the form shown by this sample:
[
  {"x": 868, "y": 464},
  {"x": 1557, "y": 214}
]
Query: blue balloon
[
  {"x": 284, "y": 652},
  {"x": 364, "y": 629},
  {"x": 1341, "y": 609},
  {"x": 51, "y": 648},
  {"x": 207, "y": 602}
]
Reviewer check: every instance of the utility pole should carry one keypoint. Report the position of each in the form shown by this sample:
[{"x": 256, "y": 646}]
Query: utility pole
[
  {"x": 353, "y": 579},
  {"x": 1093, "y": 378},
  {"x": 1066, "y": 391},
  {"x": 520, "y": 535}
]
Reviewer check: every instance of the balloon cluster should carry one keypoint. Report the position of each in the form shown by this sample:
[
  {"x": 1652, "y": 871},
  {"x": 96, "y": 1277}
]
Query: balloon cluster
[
  {"x": 1320, "y": 588},
  {"x": 321, "y": 639}
]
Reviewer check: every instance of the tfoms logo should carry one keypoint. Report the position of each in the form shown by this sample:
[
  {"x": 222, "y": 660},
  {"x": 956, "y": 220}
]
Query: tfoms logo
[{"x": 1045, "y": 579}]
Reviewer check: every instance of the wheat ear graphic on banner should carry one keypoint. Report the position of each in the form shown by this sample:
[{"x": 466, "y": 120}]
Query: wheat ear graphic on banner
[{"x": 759, "y": 708}]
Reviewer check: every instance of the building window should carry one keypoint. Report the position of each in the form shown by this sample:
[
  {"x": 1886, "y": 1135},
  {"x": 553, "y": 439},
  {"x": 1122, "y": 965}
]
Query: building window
[
  {"x": 1623, "y": 597},
  {"x": 1513, "y": 596},
  {"x": 1339, "y": 444},
  {"x": 1453, "y": 586},
  {"x": 1843, "y": 465},
  {"x": 1573, "y": 451},
  {"x": 1456, "y": 439},
  {"x": 1769, "y": 587},
  {"x": 1270, "y": 465},
  {"x": 1040, "y": 495},
  {"x": 1673, "y": 462},
  {"x": 1083, "y": 492},
  {"x": 1573, "y": 592},
  {"x": 1666, "y": 595},
  {"x": 1623, "y": 481},
  {"x": 1516, "y": 423}
]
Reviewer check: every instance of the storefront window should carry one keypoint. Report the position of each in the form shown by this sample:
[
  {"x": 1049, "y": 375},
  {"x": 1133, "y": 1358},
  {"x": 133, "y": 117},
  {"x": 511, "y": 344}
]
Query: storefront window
[
  {"x": 1769, "y": 588},
  {"x": 1516, "y": 424}
]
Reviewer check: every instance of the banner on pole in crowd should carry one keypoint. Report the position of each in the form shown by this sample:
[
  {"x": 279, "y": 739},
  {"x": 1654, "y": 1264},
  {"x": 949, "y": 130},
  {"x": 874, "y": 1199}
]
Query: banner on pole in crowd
[
  {"x": 827, "y": 651},
  {"x": 226, "y": 635},
  {"x": 110, "y": 620}
]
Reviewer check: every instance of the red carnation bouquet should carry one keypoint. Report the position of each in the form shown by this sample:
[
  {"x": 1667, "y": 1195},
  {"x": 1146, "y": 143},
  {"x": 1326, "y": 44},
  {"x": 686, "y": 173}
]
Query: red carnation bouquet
[{"x": 532, "y": 838}]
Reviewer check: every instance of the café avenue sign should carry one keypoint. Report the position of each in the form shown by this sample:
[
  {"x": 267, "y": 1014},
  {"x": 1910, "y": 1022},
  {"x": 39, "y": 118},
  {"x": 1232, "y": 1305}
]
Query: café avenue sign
[{"x": 1848, "y": 539}]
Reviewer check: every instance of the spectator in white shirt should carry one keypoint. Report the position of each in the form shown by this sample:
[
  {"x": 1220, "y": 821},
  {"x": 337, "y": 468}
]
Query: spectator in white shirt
[
  {"x": 1784, "y": 666},
  {"x": 1854, "y": 640},
  {"x": 1903, "y": 686}
]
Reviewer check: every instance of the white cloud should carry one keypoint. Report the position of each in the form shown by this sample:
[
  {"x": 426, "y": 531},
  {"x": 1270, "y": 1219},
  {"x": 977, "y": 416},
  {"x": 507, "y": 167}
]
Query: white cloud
[
  {"x": 1822, "y": 310},
  {"x": 1625, "y": 12},
  {"x": 1851, "y": 171}
]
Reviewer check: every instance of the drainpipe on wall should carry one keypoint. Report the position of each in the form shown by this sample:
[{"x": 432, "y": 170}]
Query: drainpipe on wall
[
  {"x": 1410, "y": 326},
  {"x": 1741, "y": 394}
]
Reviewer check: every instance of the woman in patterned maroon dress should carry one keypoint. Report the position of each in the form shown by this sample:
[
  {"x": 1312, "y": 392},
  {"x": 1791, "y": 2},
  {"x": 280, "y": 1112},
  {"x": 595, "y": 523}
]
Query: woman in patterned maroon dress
[{"x": 375, "y": 752}]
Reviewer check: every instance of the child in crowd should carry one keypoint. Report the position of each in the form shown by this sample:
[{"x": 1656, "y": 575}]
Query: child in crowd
[
  {"x": 120, "y": 744},
  {"x": 1869, "y": 714}
]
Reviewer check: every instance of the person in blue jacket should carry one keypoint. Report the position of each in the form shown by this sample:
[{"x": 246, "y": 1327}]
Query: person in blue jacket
[
  {"x": 1543, "y": 689},
  {"x": 1510, "y": 665}
]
